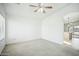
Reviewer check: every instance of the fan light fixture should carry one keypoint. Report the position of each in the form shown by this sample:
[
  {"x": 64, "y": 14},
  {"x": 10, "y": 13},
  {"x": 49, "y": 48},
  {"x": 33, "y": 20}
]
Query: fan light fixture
[{"x": 41, "y": 8}]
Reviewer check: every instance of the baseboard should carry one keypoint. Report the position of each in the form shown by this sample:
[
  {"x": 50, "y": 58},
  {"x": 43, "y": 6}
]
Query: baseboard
[{"x": 19, "y": 42}]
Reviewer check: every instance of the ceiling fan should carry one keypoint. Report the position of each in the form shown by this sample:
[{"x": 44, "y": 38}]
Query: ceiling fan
[{"x": 40, "y": 7}]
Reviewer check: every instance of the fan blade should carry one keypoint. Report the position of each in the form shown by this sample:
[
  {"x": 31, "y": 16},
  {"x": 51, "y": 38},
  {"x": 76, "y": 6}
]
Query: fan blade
[
  {"x": 49, "y": 7},
  {"x": 36, "y": 10},
  {"x": 18, "y": 3},
  {"x": 39, "y": 4},
  {"x": 44, "y": 11},
  {"x": 32, "y": 5}
]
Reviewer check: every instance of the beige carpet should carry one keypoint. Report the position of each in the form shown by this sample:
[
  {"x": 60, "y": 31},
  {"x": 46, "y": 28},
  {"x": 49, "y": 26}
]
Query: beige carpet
[{"x": 38, "y": 47}]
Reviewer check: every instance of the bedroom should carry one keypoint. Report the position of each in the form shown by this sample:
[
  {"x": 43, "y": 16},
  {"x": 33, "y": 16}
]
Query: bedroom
[{"x": 36, "y": 29}]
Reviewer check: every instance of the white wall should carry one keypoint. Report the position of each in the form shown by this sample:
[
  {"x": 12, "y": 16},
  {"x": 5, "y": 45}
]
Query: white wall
[
  {"x": 22, "y": 29},
  {"x": 52, "y": 29}
]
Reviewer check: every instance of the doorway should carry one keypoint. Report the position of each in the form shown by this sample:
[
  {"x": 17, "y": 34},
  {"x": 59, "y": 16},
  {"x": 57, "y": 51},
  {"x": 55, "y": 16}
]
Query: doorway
[{"x": 68, "y": 33}]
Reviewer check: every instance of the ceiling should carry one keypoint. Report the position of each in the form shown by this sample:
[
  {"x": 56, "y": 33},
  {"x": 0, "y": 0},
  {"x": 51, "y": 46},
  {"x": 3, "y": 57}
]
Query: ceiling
[{"x": 23, "y": 10}]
